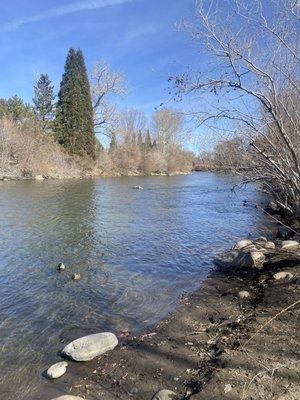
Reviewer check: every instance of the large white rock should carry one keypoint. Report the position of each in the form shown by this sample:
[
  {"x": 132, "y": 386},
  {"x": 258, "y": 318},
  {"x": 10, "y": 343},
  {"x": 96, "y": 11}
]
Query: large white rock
[
  {"x": 242, "y": 243},
  {"x": 68, "y": 397},
  {"x": 91, "y": 346},
  {"x": 289, "y": 245},
  {"x": 57, "y": 370},
  {"x": 164, "y": 395}
]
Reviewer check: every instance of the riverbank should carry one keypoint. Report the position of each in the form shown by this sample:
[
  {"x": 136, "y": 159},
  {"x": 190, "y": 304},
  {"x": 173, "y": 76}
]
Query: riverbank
[
  {"x": 87, "y": 175},
  {"x": 216, "y": 345}
]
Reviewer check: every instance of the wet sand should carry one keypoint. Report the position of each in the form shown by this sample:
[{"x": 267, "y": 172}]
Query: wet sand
[{"x": 212, "y": 347}]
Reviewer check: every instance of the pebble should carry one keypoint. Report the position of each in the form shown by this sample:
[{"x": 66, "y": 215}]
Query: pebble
[
  {"x": 283, "y": 275},
  {"x": 76, "y": 276},
  {"x": 244, "y": 294}
]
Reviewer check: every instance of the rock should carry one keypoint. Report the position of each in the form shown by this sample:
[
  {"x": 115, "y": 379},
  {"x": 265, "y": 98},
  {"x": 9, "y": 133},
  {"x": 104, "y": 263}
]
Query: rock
[
  {"x": 289, "y": 245},
  {"x": 260, "y": 242},
  {"x": 241, "y": 259},
  {"x": 258, "y": 259},
  {"x": 226, "y": 259},
  {"x": 269, "y": 246},
  {"x": 76, "y": 276},
  {"x": 91, "y": 346},
  {"x": 164, "y": 395},
  {"x": 227, "y": 388},
  {"x": 68, "y": 397},
  {"x": 39, "y": 178},
  {"x": 137, "y": 187},
  {"x": 283, "y": 275},
  {"x": 242, "y": 243},
  {"x": 244, "y": 294},
  {"x": 57, "y": 370},
  {"x": 60, "y": 267}
]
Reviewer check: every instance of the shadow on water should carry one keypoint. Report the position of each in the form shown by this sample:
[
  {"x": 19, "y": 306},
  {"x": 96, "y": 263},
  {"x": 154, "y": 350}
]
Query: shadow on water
[{"x": 137, "y": 251}]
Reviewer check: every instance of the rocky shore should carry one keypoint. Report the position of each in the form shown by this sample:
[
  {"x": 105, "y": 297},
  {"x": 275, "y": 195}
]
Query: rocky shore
[{"x": 236, "y": 337}]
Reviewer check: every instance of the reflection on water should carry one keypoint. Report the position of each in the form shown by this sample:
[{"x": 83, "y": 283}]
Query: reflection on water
[{"x": 136, "y": 250}]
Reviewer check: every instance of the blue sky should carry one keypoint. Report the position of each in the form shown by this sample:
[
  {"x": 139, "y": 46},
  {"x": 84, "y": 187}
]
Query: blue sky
[{"x": 137, "y": 37}]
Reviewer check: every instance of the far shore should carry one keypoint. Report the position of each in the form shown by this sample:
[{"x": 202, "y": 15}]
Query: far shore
[{"x": 5, "y": 178}]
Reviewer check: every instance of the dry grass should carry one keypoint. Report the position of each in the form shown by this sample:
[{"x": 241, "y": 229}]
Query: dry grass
[{"x": 26, "y": 151}]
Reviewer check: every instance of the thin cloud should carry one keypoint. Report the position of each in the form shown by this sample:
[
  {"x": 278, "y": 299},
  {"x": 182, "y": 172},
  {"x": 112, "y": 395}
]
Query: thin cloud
[{"x": 55, "y": 12}]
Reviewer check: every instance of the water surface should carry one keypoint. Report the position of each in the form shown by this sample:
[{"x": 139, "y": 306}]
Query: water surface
[{"x": 137, "y": 251}]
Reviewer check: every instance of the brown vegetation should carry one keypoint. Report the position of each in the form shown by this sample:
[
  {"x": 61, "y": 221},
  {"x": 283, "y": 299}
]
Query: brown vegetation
[{"x": 26, "y": 151}]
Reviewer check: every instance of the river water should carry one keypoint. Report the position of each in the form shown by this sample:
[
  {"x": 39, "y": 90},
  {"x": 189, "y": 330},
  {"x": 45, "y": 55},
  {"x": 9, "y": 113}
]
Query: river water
[{"x": 137, "y": 251}]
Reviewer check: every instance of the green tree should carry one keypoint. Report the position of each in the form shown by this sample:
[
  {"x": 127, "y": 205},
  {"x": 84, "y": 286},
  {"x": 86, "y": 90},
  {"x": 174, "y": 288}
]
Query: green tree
[
  {"x": 16, "y": 109},
  {"x": 148, "y": 143},
  {"x": 74, "y": 124},
  {"x": 43, "y": 99}
]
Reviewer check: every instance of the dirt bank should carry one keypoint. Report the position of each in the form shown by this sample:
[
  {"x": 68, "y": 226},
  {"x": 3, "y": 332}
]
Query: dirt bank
[{"x": 214, "y": 346}]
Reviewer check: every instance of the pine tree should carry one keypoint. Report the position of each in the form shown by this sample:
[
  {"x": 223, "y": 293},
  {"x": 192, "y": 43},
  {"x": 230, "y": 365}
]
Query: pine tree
[
  {"x": 74, "y": 118},
  {"x": 148, "y": 143},
  {"x": 43, "y": 99}
]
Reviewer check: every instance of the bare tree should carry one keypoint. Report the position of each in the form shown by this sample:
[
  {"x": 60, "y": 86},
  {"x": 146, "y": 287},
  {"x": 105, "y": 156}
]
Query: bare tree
[
  {"x": 254, "y": 46},
  {"x": 167, "y": 127},
  {"x": 106, "y": 85},
  {"x": 130, "y": 123}
]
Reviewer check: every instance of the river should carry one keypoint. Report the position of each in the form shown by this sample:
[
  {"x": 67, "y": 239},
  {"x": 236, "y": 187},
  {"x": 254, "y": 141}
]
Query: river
[{"x": 137, "y": 251}]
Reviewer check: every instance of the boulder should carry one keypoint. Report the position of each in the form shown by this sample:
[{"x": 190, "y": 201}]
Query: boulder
[
  {"x": 244, "y": 294},
  {"x": 242, "y": 244},
  {"x": 164, "y": 395},
  {"x": 60, "y": 267},
  {"x": 258, "y": 259},
  {"x": 283, "y": 275},
  {"x": 289, "y": 245},
  {"x": 68, "y": 397},
  {"x": 57, "y": 370},
  {"x": 91, "y": 346},
  {"x": 241, "y": 259}
]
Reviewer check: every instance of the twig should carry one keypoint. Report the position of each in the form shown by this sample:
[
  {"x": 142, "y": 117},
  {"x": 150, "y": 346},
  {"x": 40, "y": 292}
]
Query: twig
[{"x": 270, "y": 320}]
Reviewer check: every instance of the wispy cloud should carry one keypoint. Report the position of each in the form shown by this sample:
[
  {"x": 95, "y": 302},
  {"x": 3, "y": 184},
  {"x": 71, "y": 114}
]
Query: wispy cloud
[{"x": 83, "y": 5}]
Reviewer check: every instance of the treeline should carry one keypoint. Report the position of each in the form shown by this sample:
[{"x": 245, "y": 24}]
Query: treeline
[
  {"x": 64, "y": 127},
  {"x": 230, "y": 155}
]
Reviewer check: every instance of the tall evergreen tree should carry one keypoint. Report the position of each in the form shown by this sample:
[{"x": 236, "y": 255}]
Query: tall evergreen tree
[
  {"x": 74, "y": 118},
  {"x": 43, "y": 99},
  {"x": 148, "y": 143}
]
